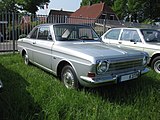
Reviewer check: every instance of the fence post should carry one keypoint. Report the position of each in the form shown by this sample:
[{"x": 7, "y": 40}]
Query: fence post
[
  {"x": 13, "y": 32},
  {"x": 104, "y": 25}
]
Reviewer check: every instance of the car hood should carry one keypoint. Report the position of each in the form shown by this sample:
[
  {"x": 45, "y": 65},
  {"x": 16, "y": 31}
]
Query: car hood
[{"x": 95, "y": 49}]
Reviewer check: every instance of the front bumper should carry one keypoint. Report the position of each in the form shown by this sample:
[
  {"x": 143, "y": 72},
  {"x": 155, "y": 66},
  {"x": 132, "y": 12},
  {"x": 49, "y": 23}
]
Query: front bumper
[{"x": 99, "y": 81}]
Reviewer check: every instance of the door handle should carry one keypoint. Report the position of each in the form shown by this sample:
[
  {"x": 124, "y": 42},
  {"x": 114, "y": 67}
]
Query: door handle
[
  {"x": 120, "y": 42},
  {"x": 34, "y": 42}
]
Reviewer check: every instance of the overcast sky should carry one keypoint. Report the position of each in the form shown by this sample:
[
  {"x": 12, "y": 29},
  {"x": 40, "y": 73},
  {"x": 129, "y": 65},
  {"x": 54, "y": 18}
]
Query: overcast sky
[{"x": 66, "y": 5}]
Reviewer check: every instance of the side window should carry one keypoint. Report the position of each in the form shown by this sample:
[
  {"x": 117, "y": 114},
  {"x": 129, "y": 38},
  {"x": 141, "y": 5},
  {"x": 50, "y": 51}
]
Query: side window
[
  {"x": 34, "y": 34},
  {"x": 113, "y": 34},
  {"x": 43, "y": 33},
  {"x": 128, "y": 35}
]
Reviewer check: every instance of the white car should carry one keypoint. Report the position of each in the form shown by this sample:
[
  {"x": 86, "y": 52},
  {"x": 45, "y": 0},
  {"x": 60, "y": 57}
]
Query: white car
[{"x": 147, "y": 40}]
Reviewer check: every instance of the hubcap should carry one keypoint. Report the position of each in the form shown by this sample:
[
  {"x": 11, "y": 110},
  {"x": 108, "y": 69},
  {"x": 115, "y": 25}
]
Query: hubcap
[
  {"x": 26, "y": 59},
  {"x": 157, "y": 66},
  {"x": 68, "y": 79}
]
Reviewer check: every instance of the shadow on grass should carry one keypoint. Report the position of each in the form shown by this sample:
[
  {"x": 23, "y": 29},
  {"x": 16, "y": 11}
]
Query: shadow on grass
[
  {"x": 15, "y": 101},
  {"x": 128, "y": 92}
]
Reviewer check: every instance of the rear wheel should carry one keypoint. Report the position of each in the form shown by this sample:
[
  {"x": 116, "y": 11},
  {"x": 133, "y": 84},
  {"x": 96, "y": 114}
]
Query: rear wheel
[
  {"x": 69, "y": 78},
  {"x": 155, "y": 64}
]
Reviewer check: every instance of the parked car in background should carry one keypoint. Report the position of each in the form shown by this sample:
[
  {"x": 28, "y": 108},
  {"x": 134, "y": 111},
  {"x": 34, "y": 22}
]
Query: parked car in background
[
  {"x": 1, "y": 37},
  {"x": 147, "y": 40},
  {"x": 76, "y": 55}
]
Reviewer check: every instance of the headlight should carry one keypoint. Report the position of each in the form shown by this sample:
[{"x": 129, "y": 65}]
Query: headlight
[
  {"x": 102, "y": 67},
  {"x": 145, "y": 60}
]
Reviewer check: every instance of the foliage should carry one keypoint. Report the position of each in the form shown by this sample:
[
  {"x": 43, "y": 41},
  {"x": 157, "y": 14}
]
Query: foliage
[
  {"x": 148, "y": 21},
  {"x": 32, "y": 94},
  {"x": 132, "y": 10},
  {"x": 30, "y": 6},
  {"x": 120, "y": 8}
]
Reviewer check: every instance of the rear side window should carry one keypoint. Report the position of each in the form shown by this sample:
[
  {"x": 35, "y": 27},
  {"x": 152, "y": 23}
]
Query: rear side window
[
  {"x": 113, "y": 34},
  {"x": 128, "y": 35}
]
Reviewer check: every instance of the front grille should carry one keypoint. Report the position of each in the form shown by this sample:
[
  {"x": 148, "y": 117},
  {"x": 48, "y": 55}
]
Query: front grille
[{"x": 125, "y": 65}]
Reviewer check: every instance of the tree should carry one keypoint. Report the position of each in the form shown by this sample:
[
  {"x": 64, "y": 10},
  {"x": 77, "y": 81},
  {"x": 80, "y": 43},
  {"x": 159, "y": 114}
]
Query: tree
[
  {"x": 8, "y": 5},
  {"x": 30, "y": 6},
  {"x": 137, "y": 10},
  {"x": 119, "y": 7},
  {"x": 89, "y": 2},
  {"x": 133, "y": 8}
]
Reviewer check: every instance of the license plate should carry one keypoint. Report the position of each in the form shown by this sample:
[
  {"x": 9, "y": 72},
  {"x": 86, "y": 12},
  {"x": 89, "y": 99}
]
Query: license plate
[{"x": 129, "y": 77}]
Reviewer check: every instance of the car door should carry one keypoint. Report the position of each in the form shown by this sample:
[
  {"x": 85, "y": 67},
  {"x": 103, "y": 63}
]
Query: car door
[
  {"x": 131, "y": 38},
  {"x": 42, "y": 47},
  {"x": 112, "y": 36},
  {"x": 29, "y": 43}
]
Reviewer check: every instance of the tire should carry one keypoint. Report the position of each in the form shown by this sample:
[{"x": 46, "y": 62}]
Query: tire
[
  {"x": 69, "y": 78},
  {"x": 26, "y": 59},
  {"x": 155, "y": 64}
]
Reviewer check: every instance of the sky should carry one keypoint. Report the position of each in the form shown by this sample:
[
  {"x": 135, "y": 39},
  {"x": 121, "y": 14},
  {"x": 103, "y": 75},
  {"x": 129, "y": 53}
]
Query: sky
[{"x": 66, "y": 5}]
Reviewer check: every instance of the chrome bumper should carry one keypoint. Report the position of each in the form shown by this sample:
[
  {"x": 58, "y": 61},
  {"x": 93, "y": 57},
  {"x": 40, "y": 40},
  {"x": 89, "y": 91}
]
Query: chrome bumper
[{"x": 87, "y": 81}]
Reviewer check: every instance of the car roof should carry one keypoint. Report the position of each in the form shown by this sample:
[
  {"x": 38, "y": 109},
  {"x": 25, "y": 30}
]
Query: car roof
[
  {"x": 124, "y": 28},
  {"x": 54, "y": 24},
  {"x": 135, "y": 28}
]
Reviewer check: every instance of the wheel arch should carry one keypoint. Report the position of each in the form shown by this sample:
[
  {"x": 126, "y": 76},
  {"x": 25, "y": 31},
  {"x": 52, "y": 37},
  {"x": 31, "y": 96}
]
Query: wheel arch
[
  {"x": 61, "y": 65},
  {"x": 24, "y": 52},
  {"x": 152, "y": 58}
]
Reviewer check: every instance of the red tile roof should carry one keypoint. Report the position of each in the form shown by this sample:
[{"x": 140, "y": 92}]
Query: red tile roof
[{"x": 93, "y": 11}]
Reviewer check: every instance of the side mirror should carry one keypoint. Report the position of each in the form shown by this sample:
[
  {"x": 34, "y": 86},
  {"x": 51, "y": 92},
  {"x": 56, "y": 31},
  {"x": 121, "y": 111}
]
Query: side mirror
[{"x": 22, "y": 36}]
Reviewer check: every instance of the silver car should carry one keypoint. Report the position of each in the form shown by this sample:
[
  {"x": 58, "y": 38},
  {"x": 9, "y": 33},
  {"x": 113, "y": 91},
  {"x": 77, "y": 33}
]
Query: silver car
[
  {"x": 147, "y": 40},
  {"x": 75, "y": 54}
]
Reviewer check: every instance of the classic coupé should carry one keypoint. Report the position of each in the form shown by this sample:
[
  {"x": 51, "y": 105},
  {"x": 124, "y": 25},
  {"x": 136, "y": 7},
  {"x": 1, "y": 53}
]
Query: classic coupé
[{"x": 76, "y": 55}]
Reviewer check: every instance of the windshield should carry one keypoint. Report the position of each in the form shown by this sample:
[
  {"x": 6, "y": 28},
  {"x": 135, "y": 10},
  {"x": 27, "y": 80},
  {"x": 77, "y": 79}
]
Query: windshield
[
  {"x": 74, "y": 32},
  {"x": 151, "y": 35}
]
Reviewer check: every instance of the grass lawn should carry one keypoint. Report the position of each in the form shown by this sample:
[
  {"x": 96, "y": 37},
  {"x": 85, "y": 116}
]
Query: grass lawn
[{"x": 32, "y": 94}]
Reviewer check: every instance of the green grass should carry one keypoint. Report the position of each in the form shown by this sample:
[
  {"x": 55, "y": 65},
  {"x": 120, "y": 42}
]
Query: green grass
[{"x": 32, "y": 94}]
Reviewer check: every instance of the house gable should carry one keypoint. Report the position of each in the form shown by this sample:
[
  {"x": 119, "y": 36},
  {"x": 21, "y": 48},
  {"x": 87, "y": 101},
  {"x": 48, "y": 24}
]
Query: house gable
[{"x": 95, "y": 11}]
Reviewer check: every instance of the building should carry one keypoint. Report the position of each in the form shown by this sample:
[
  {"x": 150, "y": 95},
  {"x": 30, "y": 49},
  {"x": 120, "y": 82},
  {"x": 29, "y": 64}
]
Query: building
[
  {"x": 99, "y": 15},
  {"x": 93, "y": 13},
  {"x": 58, "y": 16}
]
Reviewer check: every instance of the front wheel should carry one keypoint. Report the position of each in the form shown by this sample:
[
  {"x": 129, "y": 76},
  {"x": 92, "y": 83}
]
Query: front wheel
[
  {"x": 69, "y": 78},
  {"x": 26, "y": 59},
  {"x": 156, "y": 64}
]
